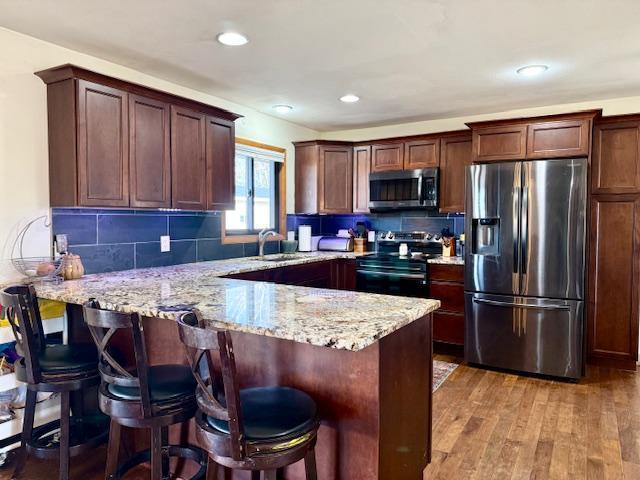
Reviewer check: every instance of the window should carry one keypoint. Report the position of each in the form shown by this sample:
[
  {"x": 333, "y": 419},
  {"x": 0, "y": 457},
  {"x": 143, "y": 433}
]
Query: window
[{"x": 256, "y": 195}]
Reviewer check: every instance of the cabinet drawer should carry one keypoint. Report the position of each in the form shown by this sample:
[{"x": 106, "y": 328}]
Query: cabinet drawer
[
  {"x": 451, "y": 295},
  {"x": 448, "y": 327},
  {"x": 447, "y": 273}
]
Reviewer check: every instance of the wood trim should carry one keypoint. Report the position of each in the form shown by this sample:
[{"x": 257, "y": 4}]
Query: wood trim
[
  {"x": 67, "y": 71},
  {"x": 282, "y": 199},
  {"x": 595, "y": 113}
]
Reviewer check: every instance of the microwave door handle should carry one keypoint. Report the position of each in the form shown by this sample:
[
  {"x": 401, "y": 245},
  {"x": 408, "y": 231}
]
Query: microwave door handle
[{"x": 420, "y": 189}]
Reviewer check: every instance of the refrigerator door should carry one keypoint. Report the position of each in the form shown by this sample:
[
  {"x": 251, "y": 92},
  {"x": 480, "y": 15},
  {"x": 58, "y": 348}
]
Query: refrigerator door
[
  {"x": 554, "y": 198},
  {"x": 492, "y": 224},
  {"x": 535, "y": 335}
]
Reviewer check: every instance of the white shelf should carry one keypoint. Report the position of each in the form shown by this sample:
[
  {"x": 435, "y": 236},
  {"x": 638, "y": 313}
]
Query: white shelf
[
  {"x": 46, "y": 412},
  {"x": 51, "y": 325},
  {"x": 8, "y": 381}
]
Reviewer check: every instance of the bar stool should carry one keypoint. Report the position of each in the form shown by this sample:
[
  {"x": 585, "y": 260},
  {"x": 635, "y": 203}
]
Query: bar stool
[
  {"x": 258, "y": 429},
  {"x": 151, "y": 397},
  {"x": 51, "y": 368}
]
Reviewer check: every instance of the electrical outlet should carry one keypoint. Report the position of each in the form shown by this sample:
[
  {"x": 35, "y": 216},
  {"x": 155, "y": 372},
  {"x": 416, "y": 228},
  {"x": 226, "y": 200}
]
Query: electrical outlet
[{"x": 165, "y": 243}]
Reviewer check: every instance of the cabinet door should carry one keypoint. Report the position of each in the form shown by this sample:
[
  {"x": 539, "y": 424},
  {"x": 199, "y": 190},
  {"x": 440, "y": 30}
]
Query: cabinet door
[
  {"x": 361, "y": 169},
  {"x": 455, "y": 156},
  {"x": 421, "y": 154},
  {"x": 614, "y": 272},
  {"x": 387, "y": 157},
  {"x": 103, "y": 146},
  {"x": 505, "y": 142},
  {"x": 188, "y": 169},
  {"x": 306, "y": 172},
  {"x": 335, "y": 182},
  {"x": 220, "y": 156},
  {"x": 616, "y": 158},
  {"x": 566, "y": 138},
  {"x": 149, "y": 154}
]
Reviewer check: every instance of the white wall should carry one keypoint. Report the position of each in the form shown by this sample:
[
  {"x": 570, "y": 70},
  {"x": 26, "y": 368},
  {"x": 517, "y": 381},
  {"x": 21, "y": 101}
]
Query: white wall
[
  {"x": 24, "y": 186},
  {"x": 614, "y": 106}
]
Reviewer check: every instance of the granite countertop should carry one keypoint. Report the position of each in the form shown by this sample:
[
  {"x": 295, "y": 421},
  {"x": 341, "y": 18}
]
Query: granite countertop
[
  {"x": 329, "y": 318},
  {"x": 447, "y": 260}
]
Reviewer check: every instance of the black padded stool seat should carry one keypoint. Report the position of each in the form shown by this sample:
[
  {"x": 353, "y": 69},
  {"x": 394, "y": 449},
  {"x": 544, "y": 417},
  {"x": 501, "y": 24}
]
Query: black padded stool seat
[
  {"x": 68, "y": 358},
  {"x": 272, "y": 412},
  {"x": 166, "y": 382}
]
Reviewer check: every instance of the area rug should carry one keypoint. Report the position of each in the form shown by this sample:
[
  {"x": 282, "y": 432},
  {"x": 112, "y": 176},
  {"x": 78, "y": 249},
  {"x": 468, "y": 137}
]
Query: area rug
[{"x": 441, "y": 370}]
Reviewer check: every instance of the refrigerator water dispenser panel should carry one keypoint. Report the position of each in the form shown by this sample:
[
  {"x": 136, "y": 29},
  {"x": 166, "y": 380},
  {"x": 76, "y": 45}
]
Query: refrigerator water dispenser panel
[{"x": 485, "y": 236}]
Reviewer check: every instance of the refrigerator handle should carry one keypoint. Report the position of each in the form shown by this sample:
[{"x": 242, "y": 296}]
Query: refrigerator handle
[
  {"x": 524, "y": 256},
  {"x": 516, "y": 218},
  {"x": 520, "y": 305}
]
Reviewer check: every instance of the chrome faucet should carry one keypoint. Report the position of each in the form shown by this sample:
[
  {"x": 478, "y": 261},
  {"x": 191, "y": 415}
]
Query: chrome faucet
[{"x": 262, "y": 239}]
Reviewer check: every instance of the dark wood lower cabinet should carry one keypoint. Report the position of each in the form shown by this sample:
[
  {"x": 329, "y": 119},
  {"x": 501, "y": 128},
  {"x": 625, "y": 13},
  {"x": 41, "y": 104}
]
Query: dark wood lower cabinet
[
  {"x": 614, "y": 280},
  {"x": 338, "y": 274},
  {"x": 447, "y": 285}
]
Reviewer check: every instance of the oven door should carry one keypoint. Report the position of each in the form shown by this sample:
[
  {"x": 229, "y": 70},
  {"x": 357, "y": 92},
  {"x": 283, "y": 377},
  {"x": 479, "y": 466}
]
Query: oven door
[{"x": 389, "y": 280}]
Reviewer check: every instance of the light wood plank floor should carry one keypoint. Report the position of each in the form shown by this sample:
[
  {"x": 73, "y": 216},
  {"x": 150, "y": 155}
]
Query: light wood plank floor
[{"x": 491, "y": 425}]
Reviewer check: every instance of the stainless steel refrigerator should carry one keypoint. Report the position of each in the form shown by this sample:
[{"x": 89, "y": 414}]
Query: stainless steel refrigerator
[{"x": 524, "y": 270}]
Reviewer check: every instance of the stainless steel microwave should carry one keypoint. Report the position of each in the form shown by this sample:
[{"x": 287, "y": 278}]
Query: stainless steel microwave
[{"x": 403, "y": 189}]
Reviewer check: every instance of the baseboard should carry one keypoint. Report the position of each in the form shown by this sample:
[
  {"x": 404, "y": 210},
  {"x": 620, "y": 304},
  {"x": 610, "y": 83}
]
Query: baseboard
[{"x": 619, "y": 363}]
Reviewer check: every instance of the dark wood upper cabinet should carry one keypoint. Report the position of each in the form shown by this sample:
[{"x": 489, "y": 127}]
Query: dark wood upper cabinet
[
  {"x": 335, "y": 181},
  {"x": 324, "y": 177},
  {"x": 387, "y": 156},
  {"x": 565, "y": 138},
  {"x": 614, "y": 276},
  {"x": 616, "y": 156},
  {"x": 421, "y": 154},
  {"x": 188, "y": 166},
  {"x": 112, "y": 143},
  {"x": 103, "y": 146},
  {"x": 553, "y": 136},
  {"x": 220, "y": 161},
  {"x": 361, "y": 169},
  {"x": 455, "y": 156},
  {"x": 149, "y": 153},
  {"x": 504, "y": 142}
]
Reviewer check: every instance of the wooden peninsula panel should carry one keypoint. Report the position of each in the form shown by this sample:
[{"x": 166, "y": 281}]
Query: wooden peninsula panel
[{"x": 375, "y": 404}]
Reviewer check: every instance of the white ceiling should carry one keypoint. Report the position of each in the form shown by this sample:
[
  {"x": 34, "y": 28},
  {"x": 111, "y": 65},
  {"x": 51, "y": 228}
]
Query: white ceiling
[{"x": 407, "y": 59}]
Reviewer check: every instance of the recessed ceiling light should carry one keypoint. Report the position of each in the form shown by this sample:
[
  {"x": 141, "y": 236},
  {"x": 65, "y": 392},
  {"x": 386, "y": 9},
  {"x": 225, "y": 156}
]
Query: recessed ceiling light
[
  {"x": 349, "y": 98},
  {"x": 532, "y": 70},
  {"x": 232, "y": 39},
  {"x": 282, "y": 108}
]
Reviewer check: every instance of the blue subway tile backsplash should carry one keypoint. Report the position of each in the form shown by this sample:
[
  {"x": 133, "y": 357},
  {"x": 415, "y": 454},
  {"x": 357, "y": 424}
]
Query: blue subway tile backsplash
[
  {"x": 112, "y": 240},
  {"x": 131, "y": 228},
  {"x": 106, "y": 258},
  {"x": 398, "y": 221}
]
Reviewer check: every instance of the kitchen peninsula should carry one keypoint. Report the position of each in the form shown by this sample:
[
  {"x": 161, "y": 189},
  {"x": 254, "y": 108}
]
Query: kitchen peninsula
[{"x": 365, "y": 358}]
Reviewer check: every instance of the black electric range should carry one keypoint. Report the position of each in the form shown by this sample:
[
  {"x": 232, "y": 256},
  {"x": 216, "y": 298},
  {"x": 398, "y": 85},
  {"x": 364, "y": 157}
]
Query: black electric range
[{"x": 390, "y": 273}]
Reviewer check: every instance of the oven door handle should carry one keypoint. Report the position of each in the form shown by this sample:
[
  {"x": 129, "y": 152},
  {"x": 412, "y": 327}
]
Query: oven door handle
[{"x": 408, "y": 276}]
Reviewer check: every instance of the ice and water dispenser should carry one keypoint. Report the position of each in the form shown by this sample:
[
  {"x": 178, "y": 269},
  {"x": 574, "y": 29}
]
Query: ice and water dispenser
[{"x": 485, "y": 236}]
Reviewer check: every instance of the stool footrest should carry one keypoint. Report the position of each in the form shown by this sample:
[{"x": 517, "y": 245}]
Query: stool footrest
[
  {"x": 187, "y": 452},
  {"x": 86, "y": 433}
]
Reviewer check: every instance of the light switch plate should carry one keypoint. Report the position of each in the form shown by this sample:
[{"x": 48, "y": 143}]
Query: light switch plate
[
  {"x": 371, "y": 236},
  {"x": 165, "y": 243}
]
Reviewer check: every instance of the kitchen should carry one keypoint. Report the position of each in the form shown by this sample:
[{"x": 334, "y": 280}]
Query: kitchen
[{"x": 504, "y": 241}]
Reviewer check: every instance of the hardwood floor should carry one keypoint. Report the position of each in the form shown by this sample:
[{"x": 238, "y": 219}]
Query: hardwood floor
[{"x": 491, "y": 425}]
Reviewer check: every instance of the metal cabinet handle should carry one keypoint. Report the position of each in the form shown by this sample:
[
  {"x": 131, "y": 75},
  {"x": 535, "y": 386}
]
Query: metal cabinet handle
[{"x": 521, "y": 305}]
